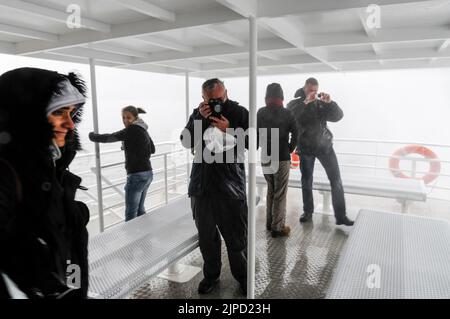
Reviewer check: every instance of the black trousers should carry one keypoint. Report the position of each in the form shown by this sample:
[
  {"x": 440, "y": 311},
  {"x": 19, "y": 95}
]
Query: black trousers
[
  {"x": 330, "y": 163},
  {"x": 229, "y": 217}
]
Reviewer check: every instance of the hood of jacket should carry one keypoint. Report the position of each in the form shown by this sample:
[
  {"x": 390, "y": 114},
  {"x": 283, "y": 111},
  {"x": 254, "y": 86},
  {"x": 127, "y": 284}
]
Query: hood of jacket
[
  {"x": 140, "y": 122},
  {"x": 300, "y": 94},
  {"x": 24, "y": 96}
]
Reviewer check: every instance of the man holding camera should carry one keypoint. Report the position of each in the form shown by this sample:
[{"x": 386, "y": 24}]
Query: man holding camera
[
  {"x": 312, "y": 112},
  {"x": 217, "y": 186}
]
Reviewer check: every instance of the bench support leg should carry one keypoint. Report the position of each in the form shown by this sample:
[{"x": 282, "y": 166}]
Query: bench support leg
[
  {"x": 259, "y": 194},
  {"x": 180, "y": 273},
  {"x": 326, "y": 202},
  {"x": 405, "y": 206}
]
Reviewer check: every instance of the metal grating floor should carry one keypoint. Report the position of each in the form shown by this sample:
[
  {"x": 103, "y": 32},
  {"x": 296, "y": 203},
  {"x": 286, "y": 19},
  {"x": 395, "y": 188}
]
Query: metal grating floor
[{"x": 300, "y": 266}]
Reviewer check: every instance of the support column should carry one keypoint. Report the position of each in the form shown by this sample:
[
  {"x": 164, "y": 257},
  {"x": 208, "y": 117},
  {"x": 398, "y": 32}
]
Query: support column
[
  {"x": 188, "y": 113},
  {"x": 97, "y": 146},
  {"x": 252, "y": 160}
]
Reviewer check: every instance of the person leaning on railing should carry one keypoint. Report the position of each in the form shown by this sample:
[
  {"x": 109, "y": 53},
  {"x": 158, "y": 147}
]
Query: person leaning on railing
[{"x": 139, "y": 147}]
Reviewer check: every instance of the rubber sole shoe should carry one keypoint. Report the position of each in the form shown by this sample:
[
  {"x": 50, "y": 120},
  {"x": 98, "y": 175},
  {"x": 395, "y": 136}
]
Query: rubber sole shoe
[
  {"x": 306, "y": 217},
  {"x": 344, "y": 221},
  {"x": 207, "y": 286}
]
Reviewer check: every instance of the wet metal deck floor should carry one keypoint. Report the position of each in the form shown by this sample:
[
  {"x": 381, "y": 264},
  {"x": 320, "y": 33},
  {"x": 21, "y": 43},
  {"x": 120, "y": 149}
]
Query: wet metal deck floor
[{"x": 300, "y": 266}]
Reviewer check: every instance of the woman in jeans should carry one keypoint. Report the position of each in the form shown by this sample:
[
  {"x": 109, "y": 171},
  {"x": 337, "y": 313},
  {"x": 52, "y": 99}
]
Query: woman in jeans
[{"x": 138, "y": 147}]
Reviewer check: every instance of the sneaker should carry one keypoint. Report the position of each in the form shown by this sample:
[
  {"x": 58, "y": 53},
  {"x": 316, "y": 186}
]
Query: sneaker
[
  {"x": 344, "y": 221},
  {"x": 284, "y": 232},
  {"x": 306, "y": 217},
  {"x": 207, "y": 286}
]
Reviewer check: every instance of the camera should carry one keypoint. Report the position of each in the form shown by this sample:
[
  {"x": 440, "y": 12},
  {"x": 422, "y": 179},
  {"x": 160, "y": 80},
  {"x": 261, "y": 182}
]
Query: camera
[
  {"x": 319, "y": 95},
  {"x": 216, "y": 106}
]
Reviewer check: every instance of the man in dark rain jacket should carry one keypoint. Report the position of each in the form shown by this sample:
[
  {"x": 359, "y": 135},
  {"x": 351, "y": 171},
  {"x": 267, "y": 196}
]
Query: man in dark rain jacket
[
  {"x": 217, "y": 187},
  {"x": 312, "y": 112}
]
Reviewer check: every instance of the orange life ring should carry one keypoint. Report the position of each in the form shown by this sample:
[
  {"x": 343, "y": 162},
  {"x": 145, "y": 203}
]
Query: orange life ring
[
  {"x": 435, "y": 166},
  {"x": 295, "y": 161}
]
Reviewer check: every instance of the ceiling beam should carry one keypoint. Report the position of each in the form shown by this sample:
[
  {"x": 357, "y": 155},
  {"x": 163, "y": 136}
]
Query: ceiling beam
[
  {"x": 292, "y": 34},
  {"x": 27, "y": 33},
  {"x": 270, "y": 8},
  {"x": 220, "y": 36},
  {"x": 52, "y": 14},
  {"x": 286, "y": 61},
  {"x": 245, "y": 8},
  {"x": 70, "y": 59},
  {"x": 269, "y": 55},
  {"x": 7, "y": 48},
  {"x": 181, "y": 65},
  {"x": 224, "y": 59},
  {"x": 140, "y": 28},
  {"x": 167, "y": 44},
  {"x": 384, "y": 35},
  {"x": 401, "y": 54},
  {"x": 118, "y": 50},
  {"x": 148, "y": 9},
  {"x": 444, "y": 45},
  {"x": 94, "y": 54},
  {"x": 213, "y": 51}
]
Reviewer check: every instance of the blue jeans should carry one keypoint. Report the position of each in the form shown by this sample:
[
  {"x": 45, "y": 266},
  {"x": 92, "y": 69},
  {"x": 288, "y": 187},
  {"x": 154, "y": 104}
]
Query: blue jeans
[{"x": 135, "y": 193}]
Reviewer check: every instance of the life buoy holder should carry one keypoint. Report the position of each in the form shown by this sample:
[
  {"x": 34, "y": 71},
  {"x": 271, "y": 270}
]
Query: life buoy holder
[
  {"x": 435, "y": 164},
  {"x": 295, "y": 160}
]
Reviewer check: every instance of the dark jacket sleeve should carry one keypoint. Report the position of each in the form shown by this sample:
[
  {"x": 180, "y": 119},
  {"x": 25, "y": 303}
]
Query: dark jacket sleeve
[
  {"x": 108, "y": 138},
  {"x": 152, "y": 147},
  {"x": 294, "y": 131},
  {"x": 188, "y": 137},
  {"x": 245, "y": 124},
  {"x": 331, "y": 112}
]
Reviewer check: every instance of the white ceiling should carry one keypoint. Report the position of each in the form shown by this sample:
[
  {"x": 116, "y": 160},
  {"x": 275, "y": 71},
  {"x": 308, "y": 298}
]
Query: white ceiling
[{"x": 210, "y": 37}]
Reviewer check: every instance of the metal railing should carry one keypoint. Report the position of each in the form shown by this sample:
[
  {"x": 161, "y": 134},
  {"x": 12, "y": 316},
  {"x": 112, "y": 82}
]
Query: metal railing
[{"x": 176, "y": 173}]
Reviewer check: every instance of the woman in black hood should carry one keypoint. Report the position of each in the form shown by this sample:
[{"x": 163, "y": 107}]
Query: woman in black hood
[{"x": 42, "y": 227}]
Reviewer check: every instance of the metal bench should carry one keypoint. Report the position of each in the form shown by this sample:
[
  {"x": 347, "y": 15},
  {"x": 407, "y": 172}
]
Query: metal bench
[
  {"x": 125, "y": 256},
  {"x": 394, "y": 256},
  {"x": 404, "y": 190}
]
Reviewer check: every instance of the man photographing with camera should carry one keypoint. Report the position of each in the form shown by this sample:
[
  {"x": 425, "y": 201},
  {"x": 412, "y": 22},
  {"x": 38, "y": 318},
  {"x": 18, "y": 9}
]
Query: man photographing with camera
[
  {"x": 313, "y": 110},
  {"x": 217, "y": 185}
]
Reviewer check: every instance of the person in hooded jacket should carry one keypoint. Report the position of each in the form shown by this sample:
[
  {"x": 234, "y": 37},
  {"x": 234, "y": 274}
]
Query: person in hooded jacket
[
  {"x": 312, "y": 110},
  {"x": 42, "y": 227},
  {"x": 138, "y": 147}
]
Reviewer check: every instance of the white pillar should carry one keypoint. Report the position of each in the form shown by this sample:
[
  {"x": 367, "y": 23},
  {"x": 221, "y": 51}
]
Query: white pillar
[
  {"x": 252, "y": 160},
  {"x": 188, "y": 165},
  {"x": 97, "y": 146}
]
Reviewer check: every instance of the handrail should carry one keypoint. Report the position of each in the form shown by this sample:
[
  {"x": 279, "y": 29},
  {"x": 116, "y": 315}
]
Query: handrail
[
  {"x": 169, "y": 181},
  {"x": 388, "y": 142},
  {"x": 119, "y": 151}
]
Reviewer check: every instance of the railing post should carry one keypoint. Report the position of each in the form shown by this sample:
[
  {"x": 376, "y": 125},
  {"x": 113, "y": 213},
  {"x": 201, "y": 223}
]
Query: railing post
[
  {"x": 166, "y": 182},
  {"x": 413, "y": 168},
  {"x": 97, "y": 147}
]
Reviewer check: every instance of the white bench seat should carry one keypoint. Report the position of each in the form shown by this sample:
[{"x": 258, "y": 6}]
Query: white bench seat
[
  {"x": 404, "y": 190},
  {"x": 123, "y": 257},
  {"x": 394, "y": 256}
]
